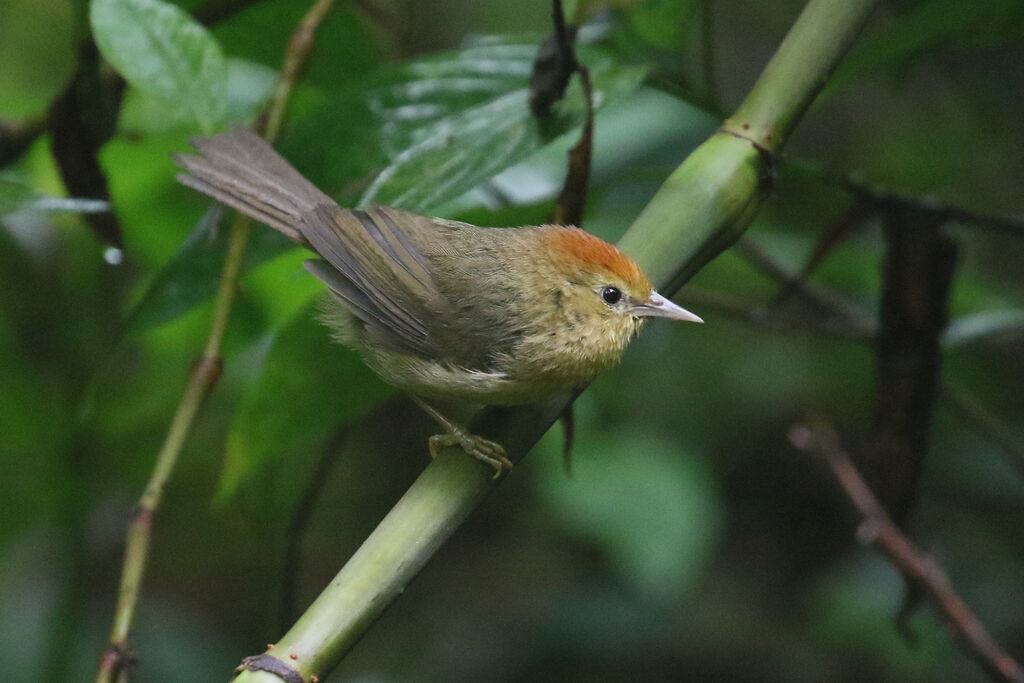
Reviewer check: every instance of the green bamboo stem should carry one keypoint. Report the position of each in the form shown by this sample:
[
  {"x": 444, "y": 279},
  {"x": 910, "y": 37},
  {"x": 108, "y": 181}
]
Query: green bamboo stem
[
  {"x": 708, "y": 202},
  {"x": 700, "y": 210},
  {"x": 115, "y": 662},
  {"x": 428, "y": 513}
]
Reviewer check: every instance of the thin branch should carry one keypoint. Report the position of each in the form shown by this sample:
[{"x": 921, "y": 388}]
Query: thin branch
[
  {"x": 860, "y": 329},
  {"x": 878, "y": 529},
  {"x": 117, "y": 658},
  {"x": 881, "y": 197},
  {"x": 933, "y": 206},
  {"x": 847, "y": 222},
  {"x": 572, "y": 200},
  {"x": 794, "y": 284}
]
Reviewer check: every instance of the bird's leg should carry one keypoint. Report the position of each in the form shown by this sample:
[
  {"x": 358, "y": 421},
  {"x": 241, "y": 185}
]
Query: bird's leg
[{"x": 478, "y": 447}]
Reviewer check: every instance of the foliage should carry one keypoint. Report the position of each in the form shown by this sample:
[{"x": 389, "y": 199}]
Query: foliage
[{"x": 692, "y": 541}]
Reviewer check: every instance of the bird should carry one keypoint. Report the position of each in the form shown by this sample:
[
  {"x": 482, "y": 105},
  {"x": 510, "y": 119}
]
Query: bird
[{"x": 441, "y": 309}]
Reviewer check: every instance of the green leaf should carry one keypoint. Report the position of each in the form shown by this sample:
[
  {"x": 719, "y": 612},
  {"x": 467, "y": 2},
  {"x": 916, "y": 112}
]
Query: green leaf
[
  {"x": 37, "y": 52},
  {"x": 166, "y": 54},
  {"x": 248, "y": 85},
  {"x": 191, "y": 276},
  {"x": 307, "y": 386},
  {"x": 928, "y": 25},
  {"x": 664, "y": 23},
  {"x": 649, "y": 506},
  {"x": 452, "y": 121},
  {"x": 14, "y": 195}
]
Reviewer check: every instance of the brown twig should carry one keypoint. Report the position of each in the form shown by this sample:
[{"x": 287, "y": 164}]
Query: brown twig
[
  {"x": 572, "y": 200},
  {"x": 117, "y": 658},
  {"x": 828, "y": 302},
  {"x": 837, "y": 230},
  {"x": 922, "y": 571},
  {"x": 930, "y": 205},
  {"x": 837, "y": 326},
  {"x": 881, "y": 198}
]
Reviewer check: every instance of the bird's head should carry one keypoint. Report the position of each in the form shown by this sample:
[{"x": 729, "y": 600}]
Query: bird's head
[
  {"x": 599, "y": 298},
  {"x": 607, "y": 284}
]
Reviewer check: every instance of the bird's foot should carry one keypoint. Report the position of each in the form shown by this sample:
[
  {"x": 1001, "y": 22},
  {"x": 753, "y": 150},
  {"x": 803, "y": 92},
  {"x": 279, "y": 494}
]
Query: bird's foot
[{"x": 484, "y": 450}]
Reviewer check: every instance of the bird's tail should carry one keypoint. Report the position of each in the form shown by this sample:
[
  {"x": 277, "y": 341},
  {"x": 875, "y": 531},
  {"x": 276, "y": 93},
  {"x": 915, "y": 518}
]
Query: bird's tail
[{"x": 241, "y": 170}]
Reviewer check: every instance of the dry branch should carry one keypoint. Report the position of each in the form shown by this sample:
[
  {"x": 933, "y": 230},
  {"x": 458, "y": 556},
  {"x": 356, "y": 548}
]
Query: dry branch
[{"x": 920, "y": 570}]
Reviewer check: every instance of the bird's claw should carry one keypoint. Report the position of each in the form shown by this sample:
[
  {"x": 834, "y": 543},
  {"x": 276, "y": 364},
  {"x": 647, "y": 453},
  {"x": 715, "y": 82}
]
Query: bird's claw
[{"x": 484, "y": 450}]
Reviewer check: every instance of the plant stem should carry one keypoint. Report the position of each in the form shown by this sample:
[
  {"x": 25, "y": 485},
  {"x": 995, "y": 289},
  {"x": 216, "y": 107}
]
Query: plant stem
[
  {"x": 117, "y": 658},
  {"x": 924, "y": 572},
  {"x": 708, "y": 202},
  {"x": 700, "y": 210}
]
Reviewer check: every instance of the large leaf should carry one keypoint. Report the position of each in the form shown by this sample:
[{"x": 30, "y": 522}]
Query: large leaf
[
  {"x": 166, "y": 54},
  {"x": 37, "y": 54},
  {"x": 646, "y": 505},
  {"x": 248, "y": 85},
  {"x": 928, "y": 25},
  {"x": 191, "y": 276},
  {"x": 666, "y": 24},
  {"x": 307, "y": 385},
  {"x": 14, "y": 195},
  {"x": 451, "y": 122}
]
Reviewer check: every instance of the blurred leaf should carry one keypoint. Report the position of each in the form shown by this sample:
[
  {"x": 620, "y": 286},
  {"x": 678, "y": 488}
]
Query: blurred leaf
[
  {"x": 647, "y": 505},
  {"x": 191, "y": 276},
  {"x": 347, "y": 45},
  {"x": 307, "y": 385},
  {"x": 280, "y": 287},
  {"x": 165, "y": 53},
  {"x": 450, "y": 122},
  {"x": 37, "y": 54},
  {"x": 663, "y": 23},
  {"x": 925, "y": 26},
  {"x": 14, "y": 195},
  {"x": 248, "y": 85}
]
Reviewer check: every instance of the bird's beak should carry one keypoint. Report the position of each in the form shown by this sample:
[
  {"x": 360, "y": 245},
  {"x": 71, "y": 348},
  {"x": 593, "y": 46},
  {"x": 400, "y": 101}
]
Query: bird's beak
[{"x": 658, "y": 306}]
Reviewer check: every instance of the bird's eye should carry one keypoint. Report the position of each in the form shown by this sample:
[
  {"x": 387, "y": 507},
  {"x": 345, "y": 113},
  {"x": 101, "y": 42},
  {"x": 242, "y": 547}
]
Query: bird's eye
[{"x": 611, "y": 295}]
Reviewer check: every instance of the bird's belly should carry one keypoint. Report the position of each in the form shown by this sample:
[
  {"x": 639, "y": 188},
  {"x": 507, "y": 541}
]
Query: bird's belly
[{"x": 436, "y": 379}]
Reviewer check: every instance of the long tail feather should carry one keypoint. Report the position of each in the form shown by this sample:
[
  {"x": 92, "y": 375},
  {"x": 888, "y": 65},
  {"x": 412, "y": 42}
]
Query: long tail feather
[{"x": 241, "y": 170}]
